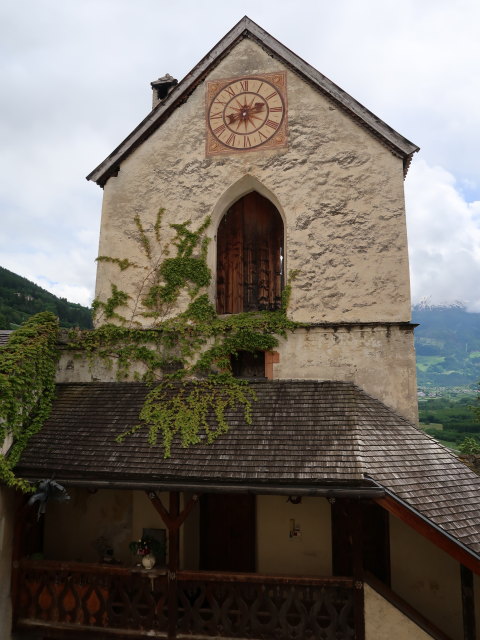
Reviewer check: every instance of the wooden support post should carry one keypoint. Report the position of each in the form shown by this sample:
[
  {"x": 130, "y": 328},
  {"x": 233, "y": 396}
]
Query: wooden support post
[
  {"x": 173, "y": 563},
  {"x": 23, "y": 514},
  {"x": 356, "y": 522},
  {"x": 173, "y": 519},
  {"x": 468, "y": 603},
  {"x": 174, "y": 532}
]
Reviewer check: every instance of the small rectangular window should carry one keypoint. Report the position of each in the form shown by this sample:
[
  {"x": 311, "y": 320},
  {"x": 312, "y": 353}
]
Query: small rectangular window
[{"x": 246, "y": 364}]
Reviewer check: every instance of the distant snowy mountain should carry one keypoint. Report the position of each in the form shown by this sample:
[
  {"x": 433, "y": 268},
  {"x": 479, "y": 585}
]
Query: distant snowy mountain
[{"x": 426, "y": 303}]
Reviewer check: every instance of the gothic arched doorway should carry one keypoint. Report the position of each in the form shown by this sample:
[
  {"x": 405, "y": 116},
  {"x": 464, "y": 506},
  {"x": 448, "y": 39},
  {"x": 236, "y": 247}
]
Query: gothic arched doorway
[{"x": 250, "y": 256}]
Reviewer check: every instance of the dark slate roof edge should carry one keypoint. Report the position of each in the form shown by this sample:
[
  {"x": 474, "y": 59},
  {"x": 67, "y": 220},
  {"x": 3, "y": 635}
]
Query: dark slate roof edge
[{"x": 247, "y": 28}]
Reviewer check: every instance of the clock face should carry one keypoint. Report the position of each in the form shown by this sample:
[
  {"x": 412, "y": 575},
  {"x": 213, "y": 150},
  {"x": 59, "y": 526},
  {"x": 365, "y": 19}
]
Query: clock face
[{"x": 247, "y": 113}]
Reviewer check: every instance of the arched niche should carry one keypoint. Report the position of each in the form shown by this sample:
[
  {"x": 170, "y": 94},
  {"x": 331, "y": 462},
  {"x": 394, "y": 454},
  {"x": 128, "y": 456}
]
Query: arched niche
[{"x": 250, "y": 256}]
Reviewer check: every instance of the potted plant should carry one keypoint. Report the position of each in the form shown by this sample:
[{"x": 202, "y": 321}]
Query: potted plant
[{"x": 148, "y": 549}]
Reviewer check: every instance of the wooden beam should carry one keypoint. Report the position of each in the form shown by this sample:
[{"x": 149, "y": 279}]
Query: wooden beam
[
  {"x": 468, "y": 604},
  {"x": 158, "y": 504},
  {"x": 173, "y": 564},
  {"x": 356, "y": 524},
  {"x": 429, "y": 531},
  {"x": 403, "y": 606},
  {"x": 172, "y": 522},
  {"x": 174, "y": 533}
]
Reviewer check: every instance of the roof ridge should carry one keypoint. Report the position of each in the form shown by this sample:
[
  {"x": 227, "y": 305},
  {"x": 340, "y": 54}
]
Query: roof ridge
[
  {"x": 358, "y": 440},
  {"x": 397, "y": 143}
]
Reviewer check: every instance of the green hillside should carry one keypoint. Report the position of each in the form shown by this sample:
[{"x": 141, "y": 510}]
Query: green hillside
[
  {"x": 20, "y": 299},
  {"x": 447, "y": 343}
]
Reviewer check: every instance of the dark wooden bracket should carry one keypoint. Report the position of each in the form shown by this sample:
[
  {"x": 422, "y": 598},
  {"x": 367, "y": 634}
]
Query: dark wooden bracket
[{"x": 173, "y": 519}]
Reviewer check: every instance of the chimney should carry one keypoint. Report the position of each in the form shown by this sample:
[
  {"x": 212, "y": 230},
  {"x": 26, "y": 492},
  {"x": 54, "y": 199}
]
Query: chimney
[{"x": 161, "y": 88}]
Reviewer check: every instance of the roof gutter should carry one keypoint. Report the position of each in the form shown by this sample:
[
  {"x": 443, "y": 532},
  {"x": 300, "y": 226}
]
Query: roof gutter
[{"x": 325, "y": 491}]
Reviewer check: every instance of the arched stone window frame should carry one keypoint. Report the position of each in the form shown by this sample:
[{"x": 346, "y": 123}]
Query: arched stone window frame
[{"x": 234, "y": 193}]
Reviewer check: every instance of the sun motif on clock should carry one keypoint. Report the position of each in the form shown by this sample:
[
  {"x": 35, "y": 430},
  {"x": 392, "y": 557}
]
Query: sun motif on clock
[{"x": 246, "y": 113}]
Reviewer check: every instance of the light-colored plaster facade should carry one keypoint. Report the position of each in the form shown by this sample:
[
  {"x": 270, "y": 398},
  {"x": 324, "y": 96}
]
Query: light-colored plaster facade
[
  {"x": 72, "y": 528},
  {"x": 383, "y": 620},
  {"x": 338, "y": 188},
  {"x": 379, "y": 359},
  {"x": 309, "y": 552},
  {"x": 339, "y": 191}
]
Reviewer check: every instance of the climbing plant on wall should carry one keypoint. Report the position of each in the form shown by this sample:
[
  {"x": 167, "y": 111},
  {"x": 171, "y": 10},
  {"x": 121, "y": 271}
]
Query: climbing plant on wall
[
  {"x": 27, "y": 383},
  {"x": 185, "y": 356}
]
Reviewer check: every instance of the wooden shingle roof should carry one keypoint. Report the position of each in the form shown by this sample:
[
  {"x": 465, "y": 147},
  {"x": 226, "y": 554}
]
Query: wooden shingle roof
[{"x": 304, "y": 432}]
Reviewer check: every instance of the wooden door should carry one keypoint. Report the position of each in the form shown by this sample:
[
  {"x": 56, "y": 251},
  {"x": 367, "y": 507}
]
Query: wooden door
[
  {"x": 227, "y": 532},
  {"x": 249, "y": 256},
  {"x": 372, "y": 522}
]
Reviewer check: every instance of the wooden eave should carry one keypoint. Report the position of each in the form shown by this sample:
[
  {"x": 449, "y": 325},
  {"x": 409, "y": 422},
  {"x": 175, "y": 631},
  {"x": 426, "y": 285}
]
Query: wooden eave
[
  {"x": 324, "y": 438},
  {"x": 246, "y": 28},
  {"x": 426, "y": 528}
]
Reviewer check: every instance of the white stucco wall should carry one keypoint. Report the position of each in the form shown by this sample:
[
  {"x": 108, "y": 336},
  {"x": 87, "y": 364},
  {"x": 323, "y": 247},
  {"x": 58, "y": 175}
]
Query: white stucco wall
[
  {"x": 338, "y": 188},
  {"x": 308, "y": 553}
]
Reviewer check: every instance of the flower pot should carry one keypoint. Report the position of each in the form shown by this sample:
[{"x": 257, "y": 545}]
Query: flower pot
[{"x": 148, "y": 561}]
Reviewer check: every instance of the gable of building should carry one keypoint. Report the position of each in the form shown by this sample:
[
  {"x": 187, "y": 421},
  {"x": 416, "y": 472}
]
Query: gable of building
[{"x": 246, "y": 28}]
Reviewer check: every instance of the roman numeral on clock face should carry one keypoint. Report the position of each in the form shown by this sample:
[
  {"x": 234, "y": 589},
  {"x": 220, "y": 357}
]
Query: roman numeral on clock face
[
  {"x": 219, "y": 130},
  {"x": 272, "y": 124},
  {"x": 231, "y": 139},
  {"x": 244, "y": 85}
]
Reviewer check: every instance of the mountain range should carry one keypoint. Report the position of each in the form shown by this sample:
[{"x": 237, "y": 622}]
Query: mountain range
[{"x": 447, "y": 343}]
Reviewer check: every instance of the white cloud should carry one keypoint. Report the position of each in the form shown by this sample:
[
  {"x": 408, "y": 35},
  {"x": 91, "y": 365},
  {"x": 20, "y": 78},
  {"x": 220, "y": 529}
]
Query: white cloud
[
  {"x": 444, "y": 238},
  {"x": 75, "y": 81}
]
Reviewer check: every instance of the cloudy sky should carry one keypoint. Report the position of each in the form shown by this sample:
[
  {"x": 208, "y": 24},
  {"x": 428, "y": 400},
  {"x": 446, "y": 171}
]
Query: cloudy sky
[{"x": 74, "y": 81}]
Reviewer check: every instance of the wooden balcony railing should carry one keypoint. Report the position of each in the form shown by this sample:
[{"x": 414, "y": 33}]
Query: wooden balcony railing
[{"x": 64, "y": 598}]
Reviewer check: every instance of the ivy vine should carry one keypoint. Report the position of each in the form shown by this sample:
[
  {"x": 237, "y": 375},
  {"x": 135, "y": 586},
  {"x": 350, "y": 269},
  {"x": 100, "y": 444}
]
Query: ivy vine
[
  {"x": 186, "y": 357},
  {"x": 27, "y": 384}
]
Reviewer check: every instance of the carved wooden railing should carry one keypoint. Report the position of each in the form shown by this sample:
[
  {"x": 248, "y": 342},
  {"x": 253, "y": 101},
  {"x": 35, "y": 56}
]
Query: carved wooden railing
[
  {"x": 257, "y": 606},
  {"x": 88, "y": 595},
  {"x": 116, "y": 600}
]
